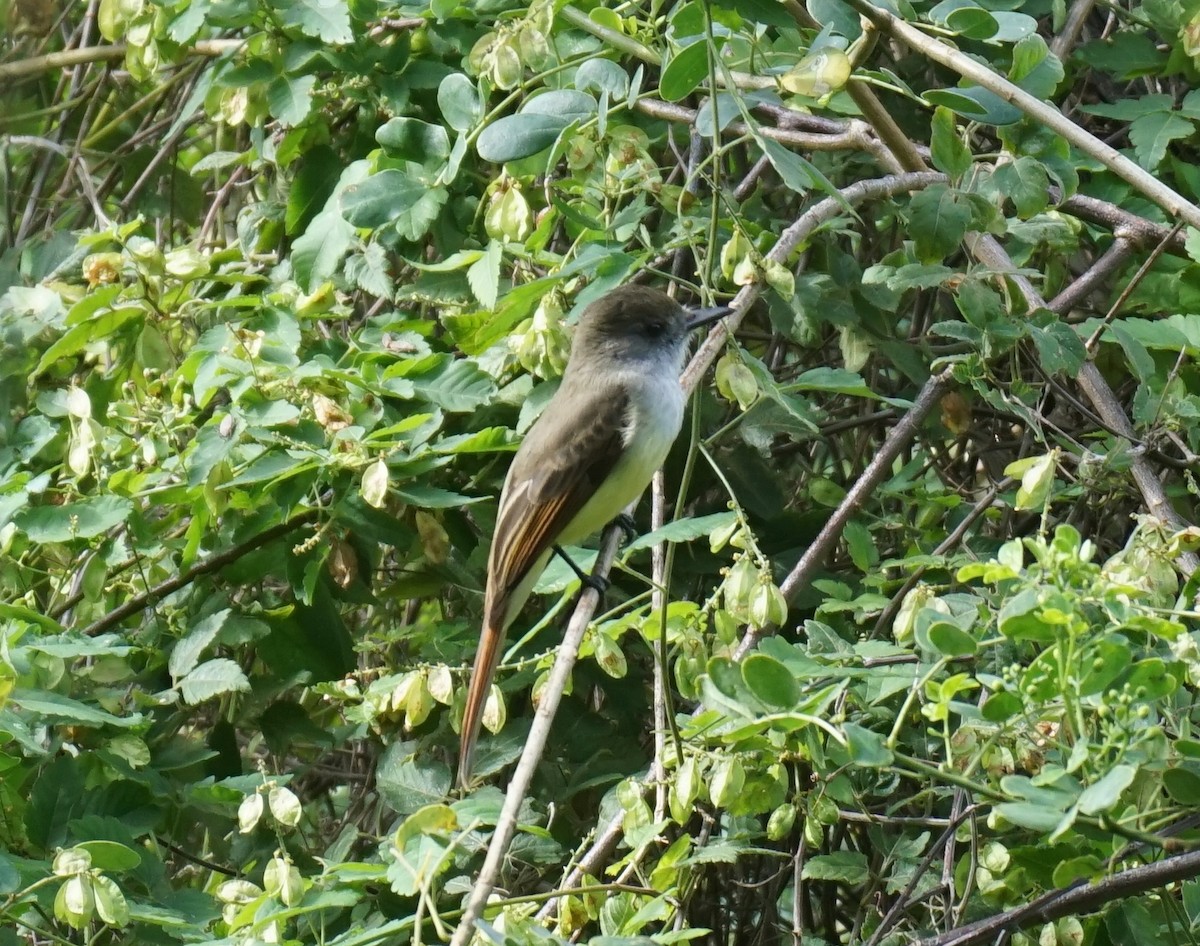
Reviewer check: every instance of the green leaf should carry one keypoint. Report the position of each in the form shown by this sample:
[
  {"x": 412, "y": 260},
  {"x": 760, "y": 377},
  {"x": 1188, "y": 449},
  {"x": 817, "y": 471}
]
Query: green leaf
[
  {"x": 414, "y": 140},
  {"x": 1150, "y": 679},
  {"x": 849, "y": 867},
  {"x": 831, "y": 381},
  {"x": 1002, "y": 706},
  {"x": 940, "y": 217},
  {"x": 1136, "y": 354},
  {"x": 316, "y": 177},
  {"x": 1131, "y": 924},
  {"x": 1183, "y": 785},
  {"x": 950, "y": 155},
  {"x": 381, "y": 198},
  {"x": 488, "y": 440},
  {"x": 1060, "y": 349},
  {"x": 433, "y": 497},
  {"x": 973, "y": 22},
  {"x": 414, "y": 221},
  {"x": 185, "y": 655},
  {"x": 569, "y": 105},
  {"x": 1018, "y": 618},
  {"x": 518, "y": 136},
  {"x": 683, "y": 530},
  {"x": 18, "y": 612},
  {"x": 459, "y": 101},
  {"x": 1034, "y": 68},
  {"x": 369, "y": 270},
  {"x": 950, "y": 640},
  {"x": 603, "y": 75},
  {"x": 1013, "y": 27},
  {"x": 1036, "y": 479},
  {"x": 213, "y": 678},
  {"x": 908, "y": 276},
  {"x": 56, "y": 798},
  {"x": 289, "y": 98},
  {"x": 273, "y": 465},
  {"x": 1128, "y": 110},
  {"x": 1025, "y": 183},
  {"x": 10, "y": 879},
  {"x": 452, "y": 384},
  {"x": 1104, "y": 794},
  {"x": 861, "y": 546},
  {"x": 79, "y": 520},
  {"x": 1127, "y": 54},
  {"x": 770, "y": 681},
  {"x": 483, "y": 276},
  {"x": 867, "y": 748},
  {"x": 1107, "y": 661},
  {"x": 326, "y": 20},
  {"x": 408, "y": 784},
  {"x": 72, "y": 712},
  {"x": 317, "y": 253},
  {"x": 686, "y": 70},
  {"x": 111, "y": 856},
  {"x": 797, "y": 173},
  {"x": 1028, "y": 815},
  {"x": 977, "y": 104},
  {"x": 79, "y": 337},
  {"x": 1151, "y": 134}
]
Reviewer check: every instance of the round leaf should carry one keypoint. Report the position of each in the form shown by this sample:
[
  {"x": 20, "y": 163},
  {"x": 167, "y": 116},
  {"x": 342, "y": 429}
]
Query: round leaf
[
  {"x": 603, "y": 75},
  {"x": 518, "y": 136},
  {"x": 686, "y": 70},
  {"x": 459, "y": 101},
  {"x": 566, "y": 104},
  {"x": 110, "y": 855},
  {"x": 950, "y": 640},
  {"x": 770, "y": 681},
  {"x": 414, "y": 140}
]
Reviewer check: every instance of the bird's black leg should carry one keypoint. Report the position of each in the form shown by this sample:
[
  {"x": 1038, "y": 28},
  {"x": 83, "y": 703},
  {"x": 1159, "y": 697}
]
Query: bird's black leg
[
  {"x": 595, "y": 582},
  {"x": 627, "y": 526}
]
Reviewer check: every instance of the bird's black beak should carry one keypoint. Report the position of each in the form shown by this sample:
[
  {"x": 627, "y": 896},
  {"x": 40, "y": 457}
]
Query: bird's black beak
[{"x": 698, "y": 317}]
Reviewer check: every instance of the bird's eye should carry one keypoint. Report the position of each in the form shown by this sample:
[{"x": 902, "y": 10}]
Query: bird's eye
[{"x": 655, "y": 329}]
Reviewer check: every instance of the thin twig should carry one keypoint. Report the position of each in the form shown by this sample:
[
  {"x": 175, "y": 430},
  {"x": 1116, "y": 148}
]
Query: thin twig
[
  {"x": 535, "y": 743},
  {"x": 1133, "y": 283},
  {"x": 918, "y": 873},
  {"x": 1065, "y": 41},
  {"x": 956, "y": 536},
  {"x": 1121, "y": 221},
  {"x": 1110, "y": 260},
  {"x": 854, "y": 136},
  {"x": 74, "y": 57},
  {"x": 211, "y": 564}
]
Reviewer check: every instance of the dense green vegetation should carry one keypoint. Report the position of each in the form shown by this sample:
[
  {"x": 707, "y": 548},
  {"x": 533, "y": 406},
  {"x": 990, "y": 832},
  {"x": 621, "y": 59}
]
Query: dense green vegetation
[{"x": 911, "y": 638}]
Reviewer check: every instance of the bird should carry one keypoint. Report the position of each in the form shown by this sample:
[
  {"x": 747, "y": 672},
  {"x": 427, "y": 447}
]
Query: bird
[{"x": 589, "y": 455}]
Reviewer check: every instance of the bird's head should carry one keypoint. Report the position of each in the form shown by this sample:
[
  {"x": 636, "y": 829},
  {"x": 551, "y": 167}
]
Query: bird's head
[{"x": 641, "y": 322}]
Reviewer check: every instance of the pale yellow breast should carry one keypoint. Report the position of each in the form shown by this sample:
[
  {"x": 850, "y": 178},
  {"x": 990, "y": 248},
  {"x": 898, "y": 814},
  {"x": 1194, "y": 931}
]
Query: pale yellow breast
[{"x": 651, "y": 427}]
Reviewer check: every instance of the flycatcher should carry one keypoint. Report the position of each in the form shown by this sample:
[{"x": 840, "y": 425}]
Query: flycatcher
[{"x": 590, "y": 454}]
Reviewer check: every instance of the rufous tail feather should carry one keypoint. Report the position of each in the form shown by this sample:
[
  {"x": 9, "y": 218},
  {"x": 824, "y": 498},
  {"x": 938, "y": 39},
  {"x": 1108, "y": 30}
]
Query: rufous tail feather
[{"x": 486, "y": 659}]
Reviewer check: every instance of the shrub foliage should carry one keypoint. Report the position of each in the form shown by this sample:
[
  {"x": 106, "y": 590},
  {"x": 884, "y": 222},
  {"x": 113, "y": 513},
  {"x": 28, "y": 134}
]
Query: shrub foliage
[{"x": 915, "y": 653}]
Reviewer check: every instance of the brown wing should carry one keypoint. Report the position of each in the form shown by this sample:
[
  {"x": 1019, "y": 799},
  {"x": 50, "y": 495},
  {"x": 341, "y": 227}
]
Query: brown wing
[
  {"x": 564, "y": 459},
  {"x": 558, "y": 469}
]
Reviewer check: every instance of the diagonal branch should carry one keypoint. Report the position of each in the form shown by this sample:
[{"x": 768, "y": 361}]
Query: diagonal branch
[
  {"x": 211, "y": 564},
  {"x": 1082, "y": 898},
  {"x": 945, "y": 54},
  {"x": 535, "y": 744}
]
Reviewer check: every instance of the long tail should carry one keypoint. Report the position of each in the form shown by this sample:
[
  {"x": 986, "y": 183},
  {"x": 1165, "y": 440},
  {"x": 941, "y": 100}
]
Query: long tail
[{"x": 486, "y": 659}]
